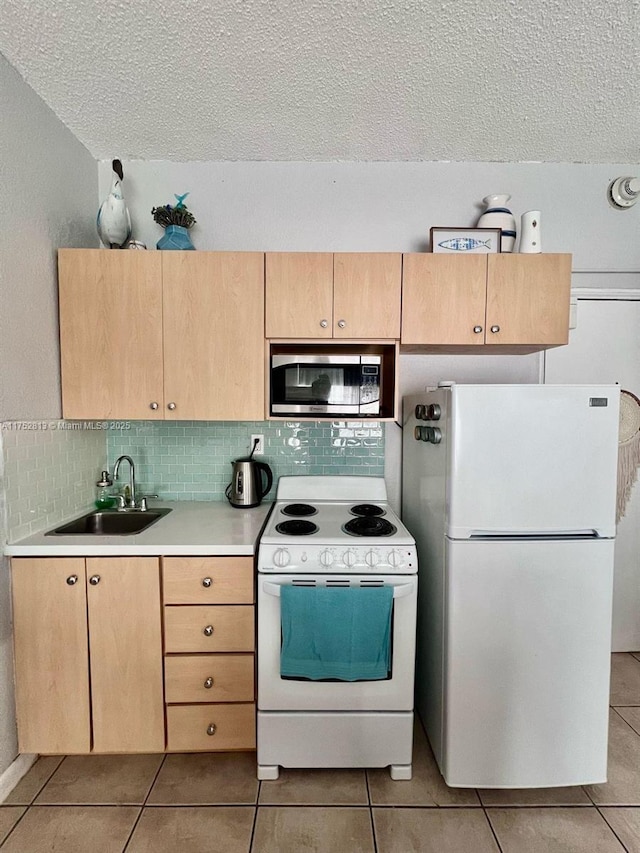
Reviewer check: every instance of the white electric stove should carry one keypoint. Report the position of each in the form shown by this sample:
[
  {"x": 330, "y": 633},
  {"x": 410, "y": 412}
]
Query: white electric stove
[
  {"x": 335, "y": 524},
  {"x": 336, "y": 532}
]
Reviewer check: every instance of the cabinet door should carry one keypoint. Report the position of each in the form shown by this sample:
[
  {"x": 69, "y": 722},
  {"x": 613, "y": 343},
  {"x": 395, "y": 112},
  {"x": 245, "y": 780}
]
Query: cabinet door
[
  {"x": 123, "y": 596},
  {"x": 366, "y": 295},
  {"x": 443, "y": 299},
  {"x": 51, "y": 655},
  {"x": 110, "y": 333},
  {"x": 213, "y": 335},
  {"x": 528, "y": 299},
  {"x": 299, "y": 294}
]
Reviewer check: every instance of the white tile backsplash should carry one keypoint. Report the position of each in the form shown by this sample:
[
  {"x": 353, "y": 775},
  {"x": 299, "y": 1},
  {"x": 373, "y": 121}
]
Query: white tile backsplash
[{"x": 49, "y": 473}]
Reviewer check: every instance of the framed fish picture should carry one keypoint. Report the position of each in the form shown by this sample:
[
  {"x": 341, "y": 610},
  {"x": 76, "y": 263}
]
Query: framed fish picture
[{"x": 465, "y": 241}]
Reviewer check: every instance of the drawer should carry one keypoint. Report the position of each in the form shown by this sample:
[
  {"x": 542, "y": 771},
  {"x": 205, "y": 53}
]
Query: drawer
[
  {"x": 210, "y": 727},
  {"x": 207, "y": 580},
  {"x": 203, "y": 628},
  {"x": 209, "y": 678}
]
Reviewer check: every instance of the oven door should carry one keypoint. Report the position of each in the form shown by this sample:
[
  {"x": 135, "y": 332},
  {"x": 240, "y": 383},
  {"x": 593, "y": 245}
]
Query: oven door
[
  {"x": 310, "y": 384},
  {"x": 284, "y": 694}
]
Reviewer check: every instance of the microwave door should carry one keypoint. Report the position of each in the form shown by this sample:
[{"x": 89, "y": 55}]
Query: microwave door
[{"x": 309, "y": 386}]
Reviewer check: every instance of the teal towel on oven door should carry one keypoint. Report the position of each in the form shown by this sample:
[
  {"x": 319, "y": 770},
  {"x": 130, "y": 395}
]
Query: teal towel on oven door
[{"x": 338, "y": 633}]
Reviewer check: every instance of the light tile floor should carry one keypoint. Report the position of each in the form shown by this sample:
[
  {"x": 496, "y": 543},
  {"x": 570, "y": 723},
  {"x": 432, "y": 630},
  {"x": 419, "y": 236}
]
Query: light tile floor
[{"x": 212, "y": 803}]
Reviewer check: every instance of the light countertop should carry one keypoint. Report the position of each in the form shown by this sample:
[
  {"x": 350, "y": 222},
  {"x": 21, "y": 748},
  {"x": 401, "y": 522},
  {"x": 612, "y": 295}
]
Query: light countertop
[{"x": 193, "y": 528}]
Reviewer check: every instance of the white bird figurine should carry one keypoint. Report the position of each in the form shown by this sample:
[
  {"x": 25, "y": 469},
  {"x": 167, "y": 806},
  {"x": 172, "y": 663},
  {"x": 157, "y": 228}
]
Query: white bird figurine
[{"x": 113, "y": 222}]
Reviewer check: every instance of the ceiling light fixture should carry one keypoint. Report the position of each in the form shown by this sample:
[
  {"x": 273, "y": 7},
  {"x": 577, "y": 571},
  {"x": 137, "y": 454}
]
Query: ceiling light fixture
[{"x": 624, "y": 192}]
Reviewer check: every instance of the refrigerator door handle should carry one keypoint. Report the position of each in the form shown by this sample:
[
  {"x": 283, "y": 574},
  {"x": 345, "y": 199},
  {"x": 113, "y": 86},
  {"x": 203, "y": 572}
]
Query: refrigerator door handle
[{"x": 587, "y": 533}]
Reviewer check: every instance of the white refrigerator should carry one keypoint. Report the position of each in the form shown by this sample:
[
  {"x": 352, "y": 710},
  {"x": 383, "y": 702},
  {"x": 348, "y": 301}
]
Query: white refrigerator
[{"x": 510, "y": 493}]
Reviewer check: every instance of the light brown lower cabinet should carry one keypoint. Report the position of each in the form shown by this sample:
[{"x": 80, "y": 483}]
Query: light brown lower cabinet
[
  {"x": 209, "y": 678},
  {"x": 51, "y": 655},
  {"x": 88, "y": 640},
  {"x": 197, "y": 728},
  {"x": 125, "y": 640},
  {"x": 88, "y": 654},
  {"x": 209, "y": 643}
]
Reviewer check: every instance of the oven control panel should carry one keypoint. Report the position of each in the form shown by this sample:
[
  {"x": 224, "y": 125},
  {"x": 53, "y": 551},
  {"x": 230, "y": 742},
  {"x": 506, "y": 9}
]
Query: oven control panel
[{"x": 338, "y": 558}]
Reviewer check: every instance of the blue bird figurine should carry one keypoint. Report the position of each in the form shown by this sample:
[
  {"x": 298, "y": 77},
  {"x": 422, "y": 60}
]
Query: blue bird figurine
[{"x": 113, "y": 222}]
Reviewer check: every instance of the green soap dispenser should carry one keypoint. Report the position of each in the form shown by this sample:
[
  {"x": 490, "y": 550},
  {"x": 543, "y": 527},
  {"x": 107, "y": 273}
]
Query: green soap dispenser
[{"x": 104, "y": 498}]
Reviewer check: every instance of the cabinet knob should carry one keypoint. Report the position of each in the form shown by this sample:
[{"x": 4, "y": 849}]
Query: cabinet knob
[
  {"x": 208, "y": 630},
  {"x": 324, "y": 323},
  {"x": 207, "y": 582},
  {"x": 211, "y": 729},
  {"x": 342, "y": 323},
  {"x": 171, "y": 406},
  {"x": 72, "y": 579},
  {"x": 94, "y": 580},
  {"x": 495, "y": 329},
  {"x": 208, "y": 683},
  {"x": 153, "y": 406},
  {"x": 477, "y": 329}
]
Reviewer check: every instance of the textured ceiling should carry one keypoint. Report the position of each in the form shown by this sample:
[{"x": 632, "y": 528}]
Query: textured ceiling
[{"x": 502, "y": 80}]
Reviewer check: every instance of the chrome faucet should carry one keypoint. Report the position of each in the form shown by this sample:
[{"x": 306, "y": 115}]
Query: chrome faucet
[{"x": 131, "y": 503}]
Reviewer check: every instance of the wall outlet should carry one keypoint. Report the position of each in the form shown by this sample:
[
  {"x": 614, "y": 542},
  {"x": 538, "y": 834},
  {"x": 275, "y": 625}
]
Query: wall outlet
[{"x": 259, "y": 451}]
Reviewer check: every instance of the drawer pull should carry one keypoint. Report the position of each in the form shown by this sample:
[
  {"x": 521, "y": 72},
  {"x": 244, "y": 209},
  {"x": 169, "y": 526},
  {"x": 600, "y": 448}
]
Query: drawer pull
[
  {"x": 208, "y": 684},
  {"x": 208, "y": 630},
  {"x": 211, "y": 729},
  {"x": 207, "y": 582}
]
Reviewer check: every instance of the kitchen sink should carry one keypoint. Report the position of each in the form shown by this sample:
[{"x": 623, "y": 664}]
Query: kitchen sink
[{"x": 110, "y": 523}]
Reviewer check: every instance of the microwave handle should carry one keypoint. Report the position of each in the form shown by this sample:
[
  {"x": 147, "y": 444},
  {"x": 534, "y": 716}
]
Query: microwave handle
[{"x": 399, "y": 591}]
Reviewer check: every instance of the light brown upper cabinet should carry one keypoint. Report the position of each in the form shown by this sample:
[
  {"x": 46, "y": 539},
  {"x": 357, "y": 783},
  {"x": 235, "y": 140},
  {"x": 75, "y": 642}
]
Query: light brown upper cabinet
[
  {"x": 345, "y": 296},
  {"x": 111, "y": 333},
  {"x": 88, "y": 654},
  {"x": 500, "y": 303},
  {"x": 173, "y": 335},
  {"x": 213, "y": 335}
]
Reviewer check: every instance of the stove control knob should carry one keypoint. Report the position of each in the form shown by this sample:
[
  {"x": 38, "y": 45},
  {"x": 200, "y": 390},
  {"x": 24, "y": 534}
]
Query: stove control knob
[
  {"x": 372, "y": 558},
  {"x": 349, "y": 558},
  {"x": 326, "y": 558},
  {"x": 281, "y": 558},
  {"x": 395, "y": 558}
]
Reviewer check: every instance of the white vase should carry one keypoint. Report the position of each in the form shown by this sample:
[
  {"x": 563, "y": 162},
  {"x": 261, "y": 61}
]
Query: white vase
[
  {"x": 113, "y": 221},
  {"x": 498, "y": 215},
  {"x": 530, "y": 239}
]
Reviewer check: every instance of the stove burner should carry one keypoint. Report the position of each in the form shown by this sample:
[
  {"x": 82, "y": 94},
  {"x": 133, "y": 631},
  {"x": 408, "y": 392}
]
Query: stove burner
[
  {"x": 369, "y": 527},
  {"x": 299, "y": 509},
  {"x": 296, "y": 527},
  {"x": 366, "y": 510}
]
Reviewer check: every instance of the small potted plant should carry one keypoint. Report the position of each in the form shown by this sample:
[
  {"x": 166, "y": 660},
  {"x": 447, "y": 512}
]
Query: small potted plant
[{"x": 176, "y": 221}]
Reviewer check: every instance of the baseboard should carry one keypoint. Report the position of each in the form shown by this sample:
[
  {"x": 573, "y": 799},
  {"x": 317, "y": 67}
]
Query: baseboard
[{"x": 14, "y": 773}]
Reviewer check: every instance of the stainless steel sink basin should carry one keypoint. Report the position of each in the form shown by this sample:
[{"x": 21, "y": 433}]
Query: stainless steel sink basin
[{"x": 110, "y": 523}]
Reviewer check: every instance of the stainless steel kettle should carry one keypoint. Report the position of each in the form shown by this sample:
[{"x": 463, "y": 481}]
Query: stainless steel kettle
[{"x": 246, "y": 488}]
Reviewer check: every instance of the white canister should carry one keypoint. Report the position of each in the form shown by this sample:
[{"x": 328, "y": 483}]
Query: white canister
[
  {"x": 498, "y": 215},
  {"x": 530, "y": 239}
]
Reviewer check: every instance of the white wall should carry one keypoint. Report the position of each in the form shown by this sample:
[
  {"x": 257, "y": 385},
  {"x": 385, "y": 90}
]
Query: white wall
[
  {"x": 49, "y": 199},
  {"x": 390, "y": 207},
  {"x": 380, "y": 206}
]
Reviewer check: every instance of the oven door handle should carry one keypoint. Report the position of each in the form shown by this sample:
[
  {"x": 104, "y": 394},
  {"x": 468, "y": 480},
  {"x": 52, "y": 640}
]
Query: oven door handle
[{"x": 399, "y": 591}]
